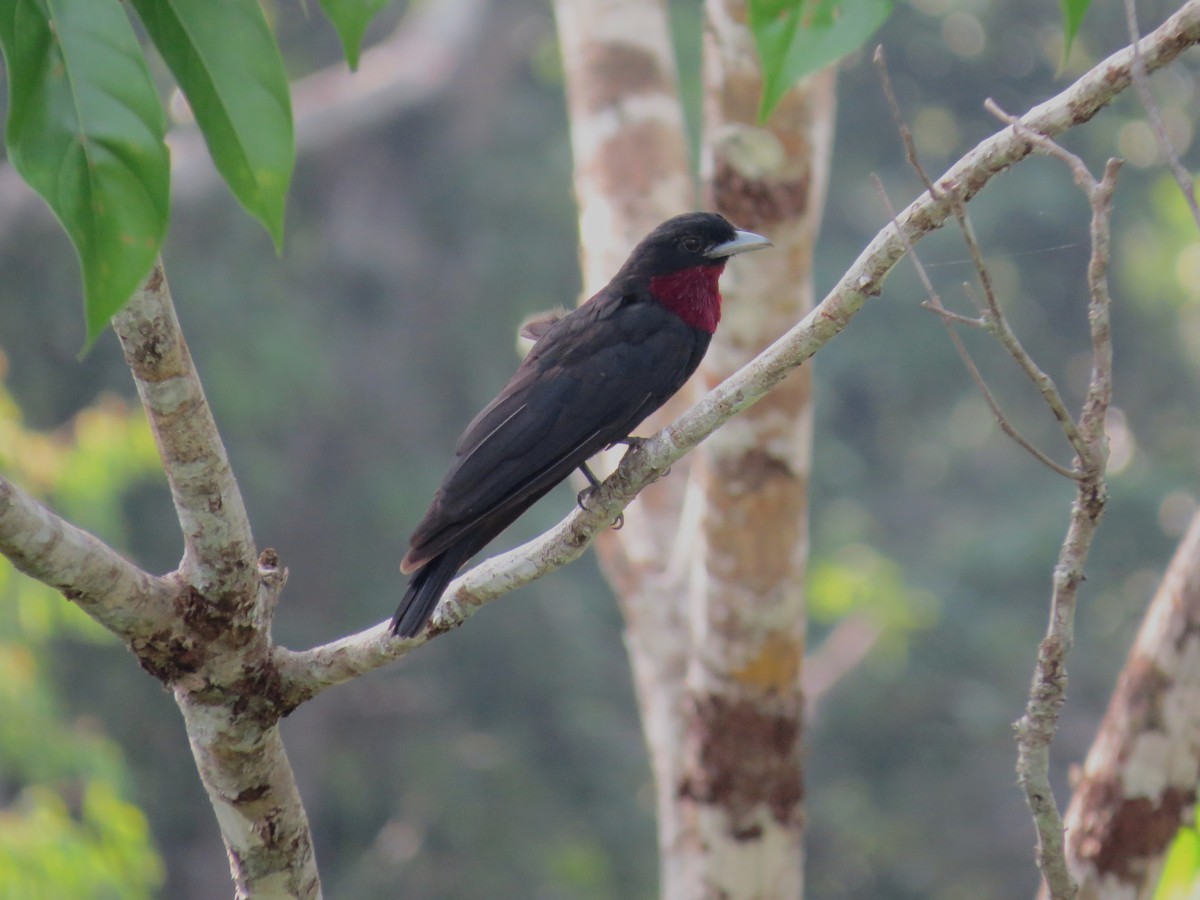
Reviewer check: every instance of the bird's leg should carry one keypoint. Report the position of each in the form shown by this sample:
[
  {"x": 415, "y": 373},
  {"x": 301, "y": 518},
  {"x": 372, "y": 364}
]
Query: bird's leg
[{"x": 593, "y": 483}]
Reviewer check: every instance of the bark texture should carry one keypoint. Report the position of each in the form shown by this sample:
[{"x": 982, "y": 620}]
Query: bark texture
[
  {"x": 631, "y": 173},
  {"x": 741, "y": 790},
  {"x": 214, "y": 652}
]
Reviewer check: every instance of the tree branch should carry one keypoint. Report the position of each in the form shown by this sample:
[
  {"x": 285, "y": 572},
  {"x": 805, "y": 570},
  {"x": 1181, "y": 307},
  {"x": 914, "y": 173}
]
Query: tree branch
[
  {"x": 313, "y": 670},
  {"x": 1036, "y": 729},
  {"x": 215, "y": 650},
  {"x": 108, "y": 587},
  {"x": 218, "y": 546}
]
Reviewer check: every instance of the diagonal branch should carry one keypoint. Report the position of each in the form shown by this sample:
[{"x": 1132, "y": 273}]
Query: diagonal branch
[
  {"x": 108, "y": 587},
  {"x": 219, "y": 550},
  {"x": 308, "y": 672}
]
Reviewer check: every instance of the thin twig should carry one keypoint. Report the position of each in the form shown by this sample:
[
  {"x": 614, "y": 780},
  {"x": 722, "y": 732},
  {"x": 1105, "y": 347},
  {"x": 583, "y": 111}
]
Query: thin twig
[
  {"x": 993, "y": 318},
  {"x": 1036, "y": 729},
  {"x": 906, "y": 137},
  {"x": 1141, "y": 83},
  {"x": 950, "y": 316},
  {"x": 949, "y": 319}
]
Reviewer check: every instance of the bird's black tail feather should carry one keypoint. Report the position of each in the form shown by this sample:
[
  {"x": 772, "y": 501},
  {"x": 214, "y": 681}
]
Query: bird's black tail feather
[{"x": 424, "y": 590}]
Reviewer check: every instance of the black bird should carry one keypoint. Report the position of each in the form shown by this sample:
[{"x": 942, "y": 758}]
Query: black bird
[{"x": 592, "y": 377}]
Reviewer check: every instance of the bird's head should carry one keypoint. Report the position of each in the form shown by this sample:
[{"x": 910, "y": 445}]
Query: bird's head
[{"x": 680, "y": 261}]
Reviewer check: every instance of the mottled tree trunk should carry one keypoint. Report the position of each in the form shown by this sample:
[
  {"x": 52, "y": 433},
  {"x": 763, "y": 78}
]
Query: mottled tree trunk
[
  {"x": 742, "y": 787},
  {"x": 709, "y": 567},
  {"x": 631, "y": 173},
  {"x": 1139, "y": 782}
]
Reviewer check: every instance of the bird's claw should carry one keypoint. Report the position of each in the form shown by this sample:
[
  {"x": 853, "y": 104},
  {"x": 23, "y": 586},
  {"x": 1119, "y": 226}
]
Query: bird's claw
[{"x": 581, "y": 501}]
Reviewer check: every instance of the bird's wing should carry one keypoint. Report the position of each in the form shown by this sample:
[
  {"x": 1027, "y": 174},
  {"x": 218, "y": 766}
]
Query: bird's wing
[{"x": 593, "y": 376}]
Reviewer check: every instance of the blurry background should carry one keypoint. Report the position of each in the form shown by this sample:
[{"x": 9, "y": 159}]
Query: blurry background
[{"x": 505, "y": 760}]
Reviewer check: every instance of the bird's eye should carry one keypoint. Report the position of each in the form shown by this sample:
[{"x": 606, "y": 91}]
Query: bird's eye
[{"x": 690, "y": 244}]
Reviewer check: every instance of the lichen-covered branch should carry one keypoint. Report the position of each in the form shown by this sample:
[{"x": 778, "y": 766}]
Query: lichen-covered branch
[
  {"x": 214, "y": 650},
  {"x": 218, "y": 546},
  {"x": 111, "y": 589}
]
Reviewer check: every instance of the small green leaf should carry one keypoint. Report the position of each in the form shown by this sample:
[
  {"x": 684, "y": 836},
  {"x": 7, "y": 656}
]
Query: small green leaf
[
  {"x": 351, "y": 18},
  {"x": 85, "y": 130},
  {"x": 797, "y": 37},
  {"x": 1073, "y": 12},
  {"x": 227, "y": 63}
]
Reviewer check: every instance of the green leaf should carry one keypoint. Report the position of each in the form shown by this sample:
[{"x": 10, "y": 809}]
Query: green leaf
[
  {"x": 85, "y": 130},
  {"x": 1073, "y": 12},
  {"x": 351, "y": 18},
  {"x": 1181, "y": 873},
  {"x": 797, "y": 37},
  {"x": 227, "y": 63}
]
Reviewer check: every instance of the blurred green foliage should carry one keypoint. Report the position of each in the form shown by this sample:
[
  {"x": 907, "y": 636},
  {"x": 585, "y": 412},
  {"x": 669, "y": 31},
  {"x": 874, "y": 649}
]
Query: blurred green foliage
[{"x": 68, "y": 824}]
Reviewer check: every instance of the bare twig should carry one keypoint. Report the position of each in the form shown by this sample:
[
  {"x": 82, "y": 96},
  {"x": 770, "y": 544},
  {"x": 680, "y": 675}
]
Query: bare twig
[
  {"x": 993, "y": 319},
  {"x": 1036, "y": 729},
  {"x": 949, "y": 319},
  {"x": 1141, "y": 83},
  {"x": 842, "y": 651},
  {"x": 906, "y": 136},
  {"x": 309, "y": 672}
]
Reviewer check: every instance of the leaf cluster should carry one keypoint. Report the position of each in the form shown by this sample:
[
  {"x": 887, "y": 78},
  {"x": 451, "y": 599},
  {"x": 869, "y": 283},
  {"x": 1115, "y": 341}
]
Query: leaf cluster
[{"x": 87, "y": 130}]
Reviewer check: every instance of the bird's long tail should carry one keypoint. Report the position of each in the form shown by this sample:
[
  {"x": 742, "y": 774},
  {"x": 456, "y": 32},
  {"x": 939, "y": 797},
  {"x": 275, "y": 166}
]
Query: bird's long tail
[{"x": 425, "y": 588}]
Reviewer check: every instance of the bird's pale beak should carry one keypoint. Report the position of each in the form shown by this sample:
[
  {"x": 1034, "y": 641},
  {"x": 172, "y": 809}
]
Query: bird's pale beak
[{"x": 743, "y": 242}]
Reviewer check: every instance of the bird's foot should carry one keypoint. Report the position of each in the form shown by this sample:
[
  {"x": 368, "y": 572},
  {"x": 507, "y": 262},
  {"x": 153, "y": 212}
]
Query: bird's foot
[{"x": 581, "y": 501}]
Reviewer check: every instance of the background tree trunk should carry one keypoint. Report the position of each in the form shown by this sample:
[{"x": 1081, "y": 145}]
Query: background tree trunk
[
  {"x": 714, "y": 607},
  {"x": 1139, "y": 781}
]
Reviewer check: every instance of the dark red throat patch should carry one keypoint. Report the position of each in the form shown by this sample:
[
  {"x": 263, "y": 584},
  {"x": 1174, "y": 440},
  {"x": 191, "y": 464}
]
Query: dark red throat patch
[{"x": 692, "y": 294}]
